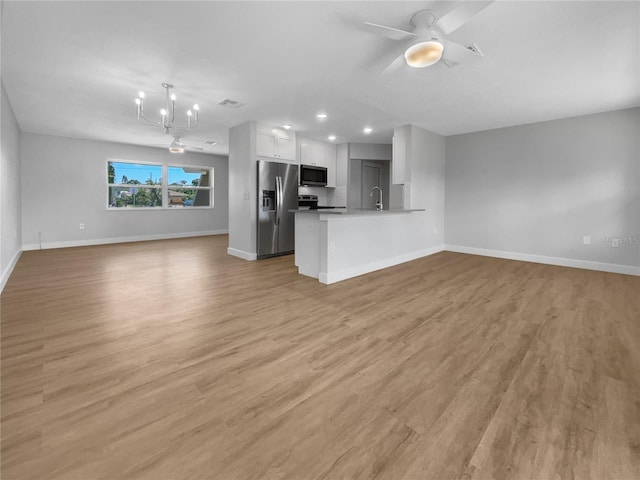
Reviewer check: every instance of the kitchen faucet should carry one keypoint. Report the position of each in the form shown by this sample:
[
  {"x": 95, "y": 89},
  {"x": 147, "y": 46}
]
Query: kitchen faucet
[{"x": 378, "y": 203}]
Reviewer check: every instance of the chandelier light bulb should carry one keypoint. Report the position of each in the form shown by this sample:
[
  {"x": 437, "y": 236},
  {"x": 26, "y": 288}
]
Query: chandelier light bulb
[{"x": 167, "y": 122}]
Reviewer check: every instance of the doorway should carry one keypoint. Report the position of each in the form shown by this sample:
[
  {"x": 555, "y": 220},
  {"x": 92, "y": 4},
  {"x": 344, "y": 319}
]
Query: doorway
[
  {"x": 371, "y": 177},
  {"x": 363, "y": 176}
]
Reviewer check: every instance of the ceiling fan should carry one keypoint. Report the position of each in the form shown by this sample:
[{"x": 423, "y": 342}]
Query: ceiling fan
[
  {"x": 176, "y": 146},
  {"x": 427, "y": 44}
]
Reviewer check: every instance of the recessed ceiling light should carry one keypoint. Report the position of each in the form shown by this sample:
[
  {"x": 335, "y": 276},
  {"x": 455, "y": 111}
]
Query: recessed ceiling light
[
  {"x": 331, "y": 137},
  {"x": 321, "y": 116},
  {"x": 367, "y": 130},
  {"x": 286, "y": 127}
]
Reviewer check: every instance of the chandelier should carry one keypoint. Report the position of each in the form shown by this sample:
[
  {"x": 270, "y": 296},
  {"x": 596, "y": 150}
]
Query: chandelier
[{"x": 168, "y": 113}]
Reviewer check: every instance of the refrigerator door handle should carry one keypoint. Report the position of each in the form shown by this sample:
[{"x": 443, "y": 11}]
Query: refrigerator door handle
[
  {"x": 281, "y": 200},
  {"x": 278, "y": 199}
]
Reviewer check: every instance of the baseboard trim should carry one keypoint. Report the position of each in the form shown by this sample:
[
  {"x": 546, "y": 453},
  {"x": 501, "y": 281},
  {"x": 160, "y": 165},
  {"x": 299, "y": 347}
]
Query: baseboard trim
[
  {"x": 106, "y": 241},
  {"x": 345, "y": 273},
  {"x": 9, "y": 270},
  {"x": 242, "y": 254},
  {"x": 559, "y": 261}
]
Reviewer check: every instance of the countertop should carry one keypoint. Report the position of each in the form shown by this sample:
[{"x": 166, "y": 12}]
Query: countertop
[{"x": 357, "y": 211}]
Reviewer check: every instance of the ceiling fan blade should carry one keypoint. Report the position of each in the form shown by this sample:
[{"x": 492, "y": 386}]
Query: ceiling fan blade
[
  {"x": 398, "y": 62},
  {"x": 459, "y": 16},
  {"x": 455, "y": 54},
  {"x": 389, "y": 32}
]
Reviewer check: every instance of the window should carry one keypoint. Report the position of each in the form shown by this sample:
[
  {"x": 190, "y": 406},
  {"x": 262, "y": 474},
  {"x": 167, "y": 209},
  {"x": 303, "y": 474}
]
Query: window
[
  {"x": 146, "y": 185},
  {"x": 188, "y": 187},
  {"x": 133, "y": 185}
]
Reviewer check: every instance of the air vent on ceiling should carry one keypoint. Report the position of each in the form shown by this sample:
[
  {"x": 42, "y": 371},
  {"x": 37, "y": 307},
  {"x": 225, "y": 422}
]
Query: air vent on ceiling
[
  {"x": 475, "y": 49},
  {"x": 227, "y": 102}
]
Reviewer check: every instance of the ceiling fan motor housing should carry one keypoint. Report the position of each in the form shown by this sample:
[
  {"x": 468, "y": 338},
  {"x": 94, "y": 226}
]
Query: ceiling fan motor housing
[
  {"x": 423, "y": 21},
  {"x": 427, "y": 49}
]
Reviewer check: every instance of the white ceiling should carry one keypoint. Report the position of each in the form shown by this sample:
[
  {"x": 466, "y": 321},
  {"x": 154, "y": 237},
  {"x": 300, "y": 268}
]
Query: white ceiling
[{"x": 74, "y": 68}]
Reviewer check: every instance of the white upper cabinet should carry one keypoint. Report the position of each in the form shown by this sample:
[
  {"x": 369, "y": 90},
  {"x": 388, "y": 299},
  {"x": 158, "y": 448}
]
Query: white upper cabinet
[
  {"x": 265, "y": 144},
  {"x": 312, "y": 153},
  {"x": 276, "y": 143},
  {"x": 330, "y": 163},
  {"x": 286, "y": 148},
  {"x": 318, "y": 154}
]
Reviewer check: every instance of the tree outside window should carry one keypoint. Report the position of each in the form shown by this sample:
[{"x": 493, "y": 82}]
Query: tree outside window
[{"x": 135, "y": 185}]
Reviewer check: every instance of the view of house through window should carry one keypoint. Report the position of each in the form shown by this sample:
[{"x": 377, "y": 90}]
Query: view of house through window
[
  {"x": 188, "y": 187},
  {"x": 140, "y": 185}
]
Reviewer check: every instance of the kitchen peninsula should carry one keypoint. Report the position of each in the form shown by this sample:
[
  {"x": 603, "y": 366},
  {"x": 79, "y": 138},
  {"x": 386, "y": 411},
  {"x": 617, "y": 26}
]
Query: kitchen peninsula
[{"x": 334, "y": 245}]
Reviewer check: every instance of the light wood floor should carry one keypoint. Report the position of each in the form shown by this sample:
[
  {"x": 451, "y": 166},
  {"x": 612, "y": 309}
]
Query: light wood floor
[{"x": 171, "y": 360}]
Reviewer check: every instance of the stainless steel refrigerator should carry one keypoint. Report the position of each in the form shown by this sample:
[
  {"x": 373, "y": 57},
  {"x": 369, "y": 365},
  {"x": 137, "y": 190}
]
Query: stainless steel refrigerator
[{"x": 277, "y": 194}]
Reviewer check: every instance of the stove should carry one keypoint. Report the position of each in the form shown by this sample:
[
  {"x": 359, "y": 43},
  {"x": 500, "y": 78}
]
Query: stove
[{"x": 311, "y": 202}]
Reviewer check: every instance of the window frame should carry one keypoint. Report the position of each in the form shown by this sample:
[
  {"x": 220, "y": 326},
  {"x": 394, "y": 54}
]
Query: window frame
[
  {"x": 165, "y": 175},
  {"x": 163, "y": 187}
]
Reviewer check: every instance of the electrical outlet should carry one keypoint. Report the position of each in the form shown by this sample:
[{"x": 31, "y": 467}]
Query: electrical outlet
[
  {"x": 615, "y": 242},
  {"x": 586, "y": 240},
  {"x": 82, "y": 226}
]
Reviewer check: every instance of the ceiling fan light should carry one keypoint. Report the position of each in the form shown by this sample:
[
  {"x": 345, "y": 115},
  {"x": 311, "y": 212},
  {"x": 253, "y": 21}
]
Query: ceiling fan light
[
  {"x": 424, "y": 54},
  {"x": 176, "y": 146}
]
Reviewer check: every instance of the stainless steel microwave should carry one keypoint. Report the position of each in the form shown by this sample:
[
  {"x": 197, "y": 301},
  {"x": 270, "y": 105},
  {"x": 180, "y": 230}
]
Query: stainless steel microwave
[{"x": 312, "y": 176}]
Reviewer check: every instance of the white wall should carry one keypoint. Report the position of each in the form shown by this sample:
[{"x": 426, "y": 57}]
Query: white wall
[
  {"x": 10, "y": 208},
  {"x": 243, "y": 196},
  {"x": 370, "y": 151},
  {"x": 426, "y": 188},
  {"x": 538, "y": 189},
  {"x": 64, "y": 184}
]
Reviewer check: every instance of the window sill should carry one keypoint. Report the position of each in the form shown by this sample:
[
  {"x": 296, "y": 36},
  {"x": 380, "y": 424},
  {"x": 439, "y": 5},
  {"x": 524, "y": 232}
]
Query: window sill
[{"x": 156, "y": 209}]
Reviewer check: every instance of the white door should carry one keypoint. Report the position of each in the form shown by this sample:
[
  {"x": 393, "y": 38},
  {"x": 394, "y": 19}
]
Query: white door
[{"x": 370, "y": 178}]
